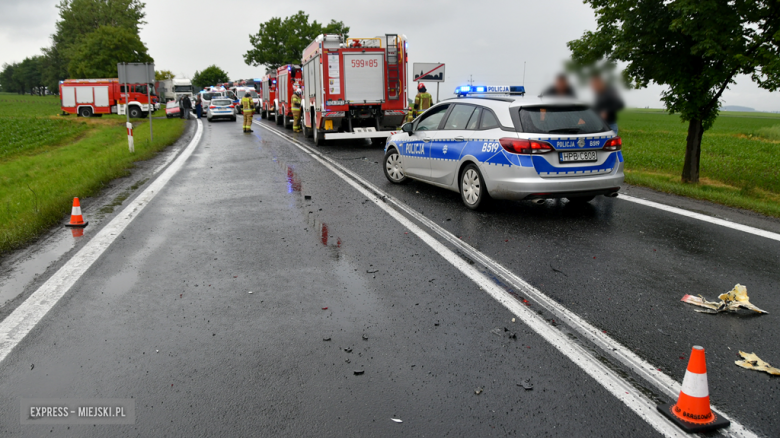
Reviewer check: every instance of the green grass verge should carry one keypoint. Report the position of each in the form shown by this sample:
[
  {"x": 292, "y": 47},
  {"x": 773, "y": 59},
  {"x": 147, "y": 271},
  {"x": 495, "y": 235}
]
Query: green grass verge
[
  {"x": 740, "y": 161},
  {"x": 39, "y": 180}
]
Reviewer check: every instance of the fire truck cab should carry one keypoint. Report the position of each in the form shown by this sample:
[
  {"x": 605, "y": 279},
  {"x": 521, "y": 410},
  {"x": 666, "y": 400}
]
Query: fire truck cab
[
  {"x": 355, "y": 88},
  {"x": 268, "y": 96},
  {"x": 288, "y": 78},
  {"x": 88, "y": 97}
]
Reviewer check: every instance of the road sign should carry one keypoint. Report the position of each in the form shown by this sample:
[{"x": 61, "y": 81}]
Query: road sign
[
  {"x": 429, "y": 72},
  {"x": 135, "y": 73}
]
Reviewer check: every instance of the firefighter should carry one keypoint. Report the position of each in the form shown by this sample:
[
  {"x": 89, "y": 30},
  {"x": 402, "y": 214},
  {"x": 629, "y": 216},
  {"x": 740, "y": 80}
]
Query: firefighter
[
  {"x": 296, "y": 110},
  {"x": 422, "y": 102},
  {"x": 247, "y": 108}
]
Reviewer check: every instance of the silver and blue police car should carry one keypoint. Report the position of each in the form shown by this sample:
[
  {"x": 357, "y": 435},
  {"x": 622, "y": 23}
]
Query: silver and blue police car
[{"x": 492, "y": 142}]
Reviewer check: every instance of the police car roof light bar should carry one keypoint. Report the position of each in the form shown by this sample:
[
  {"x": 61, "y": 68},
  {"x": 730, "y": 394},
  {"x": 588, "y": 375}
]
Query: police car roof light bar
[{"x": 511, "y": 90}]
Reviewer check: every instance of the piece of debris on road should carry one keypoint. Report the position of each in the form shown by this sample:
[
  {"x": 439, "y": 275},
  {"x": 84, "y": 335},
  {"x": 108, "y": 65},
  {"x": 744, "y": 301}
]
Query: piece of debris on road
[
  {"x": 526, "y": 384},
  {"x": 397, "y": 420},
  {"x": 478, "y": 391},
  {"x": 359, "y": 372},
  {"x": 753, "y": 362},
  {"x": 729, "y": 302}
]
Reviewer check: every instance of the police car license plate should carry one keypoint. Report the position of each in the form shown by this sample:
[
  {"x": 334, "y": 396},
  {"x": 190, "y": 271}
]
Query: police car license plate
[{"x": 578, "y": 156}]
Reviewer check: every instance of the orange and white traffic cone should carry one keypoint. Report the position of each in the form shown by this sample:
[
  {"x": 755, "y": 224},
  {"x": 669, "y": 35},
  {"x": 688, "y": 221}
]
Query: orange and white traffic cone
[
  {"x": 692, "y": 411},
  {"x": 76, "y": 219}
]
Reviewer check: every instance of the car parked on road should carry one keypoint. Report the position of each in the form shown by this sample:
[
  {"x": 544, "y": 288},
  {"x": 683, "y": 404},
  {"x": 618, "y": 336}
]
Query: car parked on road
[
  {"x": 221, "y": 108},
  {"x": 172, "y": 109},
  {"x": 508, "y": 147}
]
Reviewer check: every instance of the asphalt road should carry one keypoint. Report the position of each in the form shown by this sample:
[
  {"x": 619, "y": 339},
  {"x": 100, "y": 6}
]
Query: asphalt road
[{"x": 165, "y": 315}]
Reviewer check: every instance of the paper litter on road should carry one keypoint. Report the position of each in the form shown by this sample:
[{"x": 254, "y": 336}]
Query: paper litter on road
[
  {"x": 729, "y": 302},
  {"x": 752, "y": 362},
  {"x": 397, "y": 420}
]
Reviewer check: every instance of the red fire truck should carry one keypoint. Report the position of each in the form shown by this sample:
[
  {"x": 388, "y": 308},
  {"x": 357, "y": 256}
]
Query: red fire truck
[
  {"x": 268, "y": 96},
  {"x": 354, "y": 89},
  {"x": 88, "y": 97},
  {"x": 288, "y": 78}
]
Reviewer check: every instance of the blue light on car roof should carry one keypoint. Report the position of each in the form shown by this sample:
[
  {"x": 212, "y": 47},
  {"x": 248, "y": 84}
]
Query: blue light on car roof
[
  {"x": 480, "y": 89},
  {"x": 490, "y": 89}
]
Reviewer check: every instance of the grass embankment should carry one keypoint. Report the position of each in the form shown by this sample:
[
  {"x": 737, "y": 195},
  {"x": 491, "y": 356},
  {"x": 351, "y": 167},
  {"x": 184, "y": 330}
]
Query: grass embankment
[
  {"x": 46, "y": 160},
  {"x": 740, "y": 158}
]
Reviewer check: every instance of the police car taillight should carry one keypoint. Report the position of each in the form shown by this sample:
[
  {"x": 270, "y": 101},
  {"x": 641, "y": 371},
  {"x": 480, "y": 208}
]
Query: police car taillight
[
  {"x": 525, "y": 146},
  {"x": 613, "y": 144}
]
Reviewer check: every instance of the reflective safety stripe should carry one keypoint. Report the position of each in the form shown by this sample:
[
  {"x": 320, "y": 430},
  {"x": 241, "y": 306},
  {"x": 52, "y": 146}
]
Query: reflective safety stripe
[
  {"x": 695, "y": 385},
  {"x": 76, "y": 211}
]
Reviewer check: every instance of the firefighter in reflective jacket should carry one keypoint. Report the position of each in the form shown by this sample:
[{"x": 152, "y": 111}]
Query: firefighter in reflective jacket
[
  {"x": 296, "y": 110},
  {"x": 422, "y": 102},
  {"x": 247, "y": 106}
]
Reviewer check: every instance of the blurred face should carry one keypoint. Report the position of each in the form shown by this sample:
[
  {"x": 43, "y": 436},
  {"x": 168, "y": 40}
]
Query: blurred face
[
  {"x": 597, "y": 84},
  {"x": 561, "y": 85}
]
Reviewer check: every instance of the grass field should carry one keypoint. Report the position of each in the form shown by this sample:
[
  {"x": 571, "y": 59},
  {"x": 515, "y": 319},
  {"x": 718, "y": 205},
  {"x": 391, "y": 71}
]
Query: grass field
[
  {"x": 46, "y": 160},
  {"x": 740, "y": 160}
]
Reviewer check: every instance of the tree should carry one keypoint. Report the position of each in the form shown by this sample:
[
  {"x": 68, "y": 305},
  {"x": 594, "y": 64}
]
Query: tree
[
  {"x": 211, "y": 75},
  {"x": 695, "y": 47},
  {"x": 161, "y": 75},
  {"x": 28, "y": 75},
  {"x": 79, "y": 18},
  {"x": 280, "y": 42},
  {"x": 8, "y": 79},
  {"x": 97, "y": 55}
]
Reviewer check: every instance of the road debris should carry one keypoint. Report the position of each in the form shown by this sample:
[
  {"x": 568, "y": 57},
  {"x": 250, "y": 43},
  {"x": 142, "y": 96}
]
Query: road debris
[
  {"x": 496, "y": 331},
  {"x": 478, "y": 391},
  {"x": 307, "y": 197},
  {"x": 348, "y": 350},
  {"x": 326, "y": 339},
  {"x": 250, "y": 292},
  {"x": 372, "y": 271},
  {"x": 752, "y": 362},
  {"x": 729, "y": 302},
  {"x": 513, "y": 320},
  {"x": 526, "y": 384},
  {"x": 397, "y": 420},
  {"x": 32, "y": 366},
  {"x": 365, "y": 337},
  {"x": 359, "y": 372},
  {"x": 324, "y": 308}
]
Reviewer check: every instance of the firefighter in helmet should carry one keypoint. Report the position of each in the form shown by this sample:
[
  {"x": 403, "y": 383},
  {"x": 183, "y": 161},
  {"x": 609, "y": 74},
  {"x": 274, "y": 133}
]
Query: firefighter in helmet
[
  {"x": 422, "y": 102},
  {"x": 247, "y": 106},
  {"x": 296, "y": 110}
]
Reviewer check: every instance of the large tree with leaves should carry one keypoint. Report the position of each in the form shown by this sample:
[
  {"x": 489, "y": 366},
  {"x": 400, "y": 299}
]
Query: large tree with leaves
[
  {"x": 694, "y": 47},
  {"x": 211, "y": 75},
  {"x": 79, "y": 18},
  {"x": 98, "y": 53},
  {"x": 282, "y": 41}
]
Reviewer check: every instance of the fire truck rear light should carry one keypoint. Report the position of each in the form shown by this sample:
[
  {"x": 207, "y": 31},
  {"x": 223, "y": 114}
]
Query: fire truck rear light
[
  {"x": 613, "y": 144},
  {"x": 524, "y": 146}
]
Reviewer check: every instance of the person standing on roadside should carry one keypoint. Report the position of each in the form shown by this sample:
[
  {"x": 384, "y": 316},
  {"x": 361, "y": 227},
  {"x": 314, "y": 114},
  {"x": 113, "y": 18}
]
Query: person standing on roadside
[
  {"x": 247, "y": 108},
  {"x": 608, "y": 102},
  {"x": 422, "y": 102},
  {"x": 560, "y": 88},
  {"x": 186, "y": 107},
  {"x": 199, "y": 106},
  {"x": 296, "y": 110}
]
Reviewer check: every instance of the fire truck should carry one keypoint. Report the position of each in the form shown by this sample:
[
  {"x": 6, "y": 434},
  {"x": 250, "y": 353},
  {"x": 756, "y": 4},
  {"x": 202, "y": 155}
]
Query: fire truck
[
  {"x": 88, "y": 97},
  {"x": 354, "y": 88},
  {"x": 288, "y": 78},
  {"x": 268, "y": 96}
]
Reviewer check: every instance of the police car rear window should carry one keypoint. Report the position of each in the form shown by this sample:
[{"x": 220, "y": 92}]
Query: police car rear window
[{"x": 561, "y": 120}]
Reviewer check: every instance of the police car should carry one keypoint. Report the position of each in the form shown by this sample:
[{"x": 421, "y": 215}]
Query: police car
[{"x": 491, "y": 142}]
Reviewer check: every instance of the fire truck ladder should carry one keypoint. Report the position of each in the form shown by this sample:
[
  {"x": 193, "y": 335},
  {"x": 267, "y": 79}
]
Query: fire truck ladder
[{"x": 393, "y": 67}]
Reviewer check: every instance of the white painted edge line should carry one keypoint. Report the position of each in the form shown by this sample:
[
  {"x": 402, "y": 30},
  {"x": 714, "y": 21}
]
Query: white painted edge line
[
  {"x": 702, "y": 217},
  {"x": 25, "y": 317},
  {"x": 649, "y": 372}
]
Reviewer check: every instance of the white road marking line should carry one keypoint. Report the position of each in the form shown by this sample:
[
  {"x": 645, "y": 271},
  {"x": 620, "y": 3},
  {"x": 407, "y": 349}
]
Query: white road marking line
[
  {"x": 702, "y": 217},
  {"x": 649, "y": 372},
  {"x": 19, "y": 323}
]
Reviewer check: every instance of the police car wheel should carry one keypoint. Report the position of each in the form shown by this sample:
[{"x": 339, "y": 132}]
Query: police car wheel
[
  {"x": 472, "y": 188},
  {"x": 394, "y": 171}
]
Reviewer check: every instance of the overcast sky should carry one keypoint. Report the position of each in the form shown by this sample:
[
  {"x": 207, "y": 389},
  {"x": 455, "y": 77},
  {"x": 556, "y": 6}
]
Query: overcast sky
[{"x": 489, "y": 40}]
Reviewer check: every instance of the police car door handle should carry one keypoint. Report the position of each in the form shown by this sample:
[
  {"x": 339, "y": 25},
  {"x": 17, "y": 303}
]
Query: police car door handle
[
  {"x": 426, "y": 139},
  {"x": 460, "y": 138}
]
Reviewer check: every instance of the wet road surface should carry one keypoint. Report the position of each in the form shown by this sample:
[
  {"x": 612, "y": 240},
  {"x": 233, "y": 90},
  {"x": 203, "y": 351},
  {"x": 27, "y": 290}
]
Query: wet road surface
[{"x": 251, "y": 212}]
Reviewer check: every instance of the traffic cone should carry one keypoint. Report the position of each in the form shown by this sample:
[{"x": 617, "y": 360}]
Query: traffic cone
[
  {"x": 76, "y": 220},
  {"x": 692, "y": 411}
]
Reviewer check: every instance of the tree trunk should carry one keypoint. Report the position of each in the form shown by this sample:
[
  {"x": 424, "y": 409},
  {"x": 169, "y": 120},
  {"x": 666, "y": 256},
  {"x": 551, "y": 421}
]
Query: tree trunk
[{"x": 690, "y": 171}]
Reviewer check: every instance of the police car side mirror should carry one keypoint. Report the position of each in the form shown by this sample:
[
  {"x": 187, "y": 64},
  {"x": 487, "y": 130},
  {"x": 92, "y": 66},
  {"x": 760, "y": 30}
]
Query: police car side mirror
[{"x": 408, "y": 128}]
